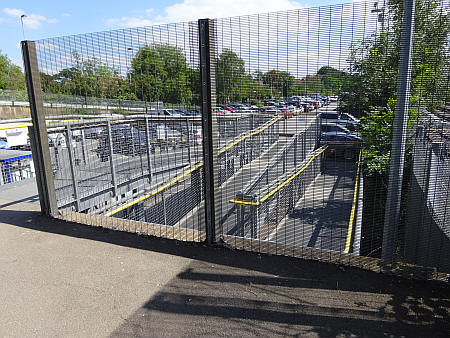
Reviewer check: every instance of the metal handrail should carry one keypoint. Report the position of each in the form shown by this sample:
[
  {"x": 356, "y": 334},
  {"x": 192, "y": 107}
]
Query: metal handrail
[
  {"x": 280, "y": 186},
  {"x": 199, "y": 165},
  {"x": 352, "y": 213}
]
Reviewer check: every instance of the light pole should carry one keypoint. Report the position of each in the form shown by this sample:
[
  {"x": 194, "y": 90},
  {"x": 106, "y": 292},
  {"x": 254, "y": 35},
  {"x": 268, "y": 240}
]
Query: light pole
[
  {"x": 21, "y": 20},
  {"x": 129, "y": 59},
  {"x": 380, "y": 13}
]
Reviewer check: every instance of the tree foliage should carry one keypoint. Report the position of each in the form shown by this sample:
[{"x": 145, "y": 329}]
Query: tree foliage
[
  {"x": 374, "y": 62},
  {"x": 232, "y": 82},
  {"x": 377, "y": 134},
  {"x": 87, "y": 78},
  {"x": 327, "y": 81},
  {"x": 11, "y": 76},
  {"x": 374, "y": 66},
  {"x": 161, "y": 73}
]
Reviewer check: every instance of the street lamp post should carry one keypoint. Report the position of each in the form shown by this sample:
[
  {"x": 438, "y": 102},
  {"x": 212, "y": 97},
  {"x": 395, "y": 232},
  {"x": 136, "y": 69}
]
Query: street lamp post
[{"x": 21, "y": 20}]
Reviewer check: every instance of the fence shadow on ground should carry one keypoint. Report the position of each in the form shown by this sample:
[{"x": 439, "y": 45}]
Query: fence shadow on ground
[
  {"x": 267, "y": 296},
  {"x": 234, "y": 293}
]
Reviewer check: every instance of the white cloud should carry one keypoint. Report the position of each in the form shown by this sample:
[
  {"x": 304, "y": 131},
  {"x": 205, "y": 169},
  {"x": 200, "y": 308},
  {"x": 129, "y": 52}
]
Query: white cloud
[
  {"x": 197, "y": 9},
  {"x": 126, "y": 21},
  {"x": 65, "y": 14},
  {"x": 32, "y": 21},
  {"x": 14, "y": 12},
  {"x": 189, "y": 10}
]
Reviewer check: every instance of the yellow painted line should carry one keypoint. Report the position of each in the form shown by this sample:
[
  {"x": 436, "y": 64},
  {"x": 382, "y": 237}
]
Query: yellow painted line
[
  {"x": 271, "y": 193},
  {"x": 153, "y": 193},
  {"x": 14, "y": 127},
  {"x": 352, "y": 213}
]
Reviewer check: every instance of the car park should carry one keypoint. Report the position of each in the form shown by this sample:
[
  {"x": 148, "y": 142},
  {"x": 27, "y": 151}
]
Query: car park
[
  {"x": 337, "y": 128},
  {"x": 341, "y": 144},
  {"x": 349, "y": 117},
  {"x": 126, "y": 140},
  {"x": 344, "y": 119}
]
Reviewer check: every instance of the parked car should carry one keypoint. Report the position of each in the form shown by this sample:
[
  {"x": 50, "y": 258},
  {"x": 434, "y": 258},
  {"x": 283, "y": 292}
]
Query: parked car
[
  {"x": 344, "y": 119},
  {"x": 341, "y": 144},
  {"x": 338, "y": 136},
  {"x": 349, "y": 117},
  {"x": 166, "y": 136},
  {"x": 338, "y": 129},
  {"x": 197, "y": 135},
  {"x": 126, "y": 140},
  {"x": 3, "y": 143}
]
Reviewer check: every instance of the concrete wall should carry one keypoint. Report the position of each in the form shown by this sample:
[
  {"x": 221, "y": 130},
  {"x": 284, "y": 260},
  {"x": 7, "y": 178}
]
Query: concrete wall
[{"x": 7, "y": 112}]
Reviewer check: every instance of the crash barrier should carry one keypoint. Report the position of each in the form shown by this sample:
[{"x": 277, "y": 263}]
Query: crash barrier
[
  {"x": 293, "y": 152},
  {"x": 264, "y": 215},
  {"x": 54, "y": 100},
  {"x": 119, "y": 156}
]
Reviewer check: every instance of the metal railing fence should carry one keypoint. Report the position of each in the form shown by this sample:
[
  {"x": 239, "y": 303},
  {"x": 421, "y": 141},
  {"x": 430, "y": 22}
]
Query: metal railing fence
[{"x": 156, "y": 129}]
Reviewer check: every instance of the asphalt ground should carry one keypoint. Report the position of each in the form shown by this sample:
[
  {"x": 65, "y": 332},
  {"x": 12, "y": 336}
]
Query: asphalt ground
[
  {"x": 320, "y": 218},
  {"x": 64, "y": 279}
]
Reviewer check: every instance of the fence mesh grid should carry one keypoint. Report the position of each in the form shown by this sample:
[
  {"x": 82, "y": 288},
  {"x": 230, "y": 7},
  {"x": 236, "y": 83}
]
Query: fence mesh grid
[{"x": 305, "y": 103}]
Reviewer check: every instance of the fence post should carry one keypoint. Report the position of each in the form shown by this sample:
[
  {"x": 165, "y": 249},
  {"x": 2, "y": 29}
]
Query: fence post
[
  {"x": 209, "y": 124},
  {"x": 188, "y": 140},
  {"x": 83, "y": 146},
  {"x": 72, "y": 159},
  {"x": 394, "y": 193},
  {"x": 253, "y": 218},
  {"x": 149, "y": 150},
  {"x": 38, "y": 136},
  {"x": 111, "y": 159}
]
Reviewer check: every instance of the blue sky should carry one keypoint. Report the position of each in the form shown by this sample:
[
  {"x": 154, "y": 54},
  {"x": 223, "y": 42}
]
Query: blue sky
[{"x": 57, "y": 18}]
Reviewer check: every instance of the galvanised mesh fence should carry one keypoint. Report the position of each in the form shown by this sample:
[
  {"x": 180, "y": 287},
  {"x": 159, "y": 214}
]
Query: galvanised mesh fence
[
  {"x": 428, "y": 207},
  {"x": 15, "y": 166},
  {"x": 123, "y": 120},
  {"x": 285, "y": 133}
]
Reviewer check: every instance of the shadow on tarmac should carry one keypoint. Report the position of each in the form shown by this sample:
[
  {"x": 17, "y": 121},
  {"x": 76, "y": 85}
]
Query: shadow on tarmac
[{"x": 235, "y": 293}]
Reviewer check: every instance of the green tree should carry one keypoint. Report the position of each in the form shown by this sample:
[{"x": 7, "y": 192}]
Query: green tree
[
  {"x": 161, "y": 73},
  {"x": 274, "y": 81},
  {"x": 371, "y": 92},
  {"x": 374, "y": 62},
  {"x": 331, "y": 80},
  {"x": 232, "y": 83},
  {"x": 88, "y": 78},
  {"x": 11, "y": 76}
]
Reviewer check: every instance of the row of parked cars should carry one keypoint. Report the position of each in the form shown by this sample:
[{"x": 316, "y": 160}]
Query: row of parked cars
[
  {"x": 287, "y": 106},
  {"x": 341, "y": 131},
  {"x": 172, "y": 112},
  {"x": 130, "y": 140}
]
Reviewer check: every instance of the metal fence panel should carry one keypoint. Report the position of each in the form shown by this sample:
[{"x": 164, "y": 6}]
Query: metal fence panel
[{"x": 275, "y": 130}]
